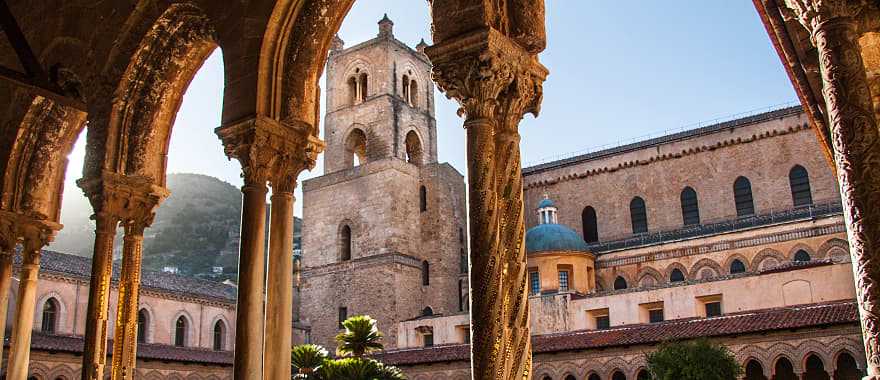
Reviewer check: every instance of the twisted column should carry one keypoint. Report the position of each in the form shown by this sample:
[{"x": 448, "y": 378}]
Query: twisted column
[
  {"x": 496, "y": 81},
  {"x": 132, "y": 202},
  {"x": 833, "y": 26}
]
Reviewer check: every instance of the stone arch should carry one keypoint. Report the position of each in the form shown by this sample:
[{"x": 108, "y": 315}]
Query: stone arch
[
  {"x": 193, "y": 376},
  {"x": 766, "y": 258},
  {"x": 783, "y": 350},
  {"x": 814, "y": 347},
  {"x": 63, "y": 372},
  {"x": 60, "y": 323},
  {"x": 355, "y": 146},
  {"x": 751, "y": 352},
  {"x": 414, "y": 148},
  {"x": 146, "y": 101},
  {"x": 153, "y": 375},
  {"x": 191, "y": 333},
  {"x": 225, "y": 342},
  {"x": 615, "y": 364},
  {"x": 150, "y": 322},
  {"x": 174, "y": 376},
  {"x": 648, "y": 277},
  {"x": 835, "y": 249},
  {"x": 38, "y": 370},
  {"x": 860, "y": 359},
  {"x": 622, "y": 274},
  {"x": 673, "y": 266},
  {"x": 699, "y": 268},
  {"x": 801, "y": 246},
  {"x": 729, "y": 260}
]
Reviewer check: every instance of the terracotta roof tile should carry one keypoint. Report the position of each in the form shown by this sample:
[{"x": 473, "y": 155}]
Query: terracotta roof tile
[
  {"x": 793, "y": 317},
  {"x": 74, "y": 344}
]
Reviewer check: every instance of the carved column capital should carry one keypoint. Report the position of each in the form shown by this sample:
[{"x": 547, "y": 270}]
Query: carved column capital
[
  {"x": 271, "y": 150},
  {"x": 130, "y": 200},
  {"x": 33, "y": 232},
  {"x": 812, "y": 14},
  {"x": 490, "y": 75}
]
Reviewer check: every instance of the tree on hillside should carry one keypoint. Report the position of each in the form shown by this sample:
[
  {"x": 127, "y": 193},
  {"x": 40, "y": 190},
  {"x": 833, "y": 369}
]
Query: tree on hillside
[
  {"x": 694, "y": 360},
  {"x": 361, "y": 336}
]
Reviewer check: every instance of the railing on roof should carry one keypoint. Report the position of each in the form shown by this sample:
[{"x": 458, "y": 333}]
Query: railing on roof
[
  {"x": 710, "y": 227},
  {"x": 656, "y": 134}
]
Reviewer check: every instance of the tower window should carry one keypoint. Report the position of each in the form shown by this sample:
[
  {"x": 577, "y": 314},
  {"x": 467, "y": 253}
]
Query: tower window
[
  {"x": 638, "y": 215},
  {"x": 50, "y": 316},
  {"x": 180, "y": 330},
  {"x": 345, "y": 243},
  {"x": 591, "y": 230},
  {"x": 404, "y": 83},
  {"x": 423, "y": 199},
  {"x": 353, "y": 97},
  {"x": 742, "y": 194},
  {"x": 362, "y": 87},
  {"x": 343, "y": 315},
  {"x": 690, "y": 210},
  {"x": 799, "y": 181},
  {"x": 414, "y": 154},
  {"x": 142, "y": 326},
  {"x": 426, "y": 273},
  {"x": 219, "y": 335},
  {"x": 356, "y": 148}
]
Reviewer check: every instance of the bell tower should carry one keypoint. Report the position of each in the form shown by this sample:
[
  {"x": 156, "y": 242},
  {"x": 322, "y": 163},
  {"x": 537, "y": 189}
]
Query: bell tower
[{"x": 384, "y": 227}]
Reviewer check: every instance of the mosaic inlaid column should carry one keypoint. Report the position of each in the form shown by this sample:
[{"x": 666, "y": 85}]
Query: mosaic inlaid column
[
  {"x": 833, "y": 26},
  {"x": 35, "y": 238},
  {"x": 95, "y": 340},
  {"x": 496, "y": 81},
  {"x": 298, "y": 152}
]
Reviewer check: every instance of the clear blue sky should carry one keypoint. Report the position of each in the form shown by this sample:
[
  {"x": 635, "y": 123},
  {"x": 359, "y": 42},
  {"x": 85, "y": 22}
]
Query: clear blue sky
[{"x": 618, "y": 70}]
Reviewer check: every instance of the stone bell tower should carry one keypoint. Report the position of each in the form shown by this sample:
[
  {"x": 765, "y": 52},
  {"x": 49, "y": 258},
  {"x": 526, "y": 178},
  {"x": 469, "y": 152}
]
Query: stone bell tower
[{"x": 384, "y": 227}]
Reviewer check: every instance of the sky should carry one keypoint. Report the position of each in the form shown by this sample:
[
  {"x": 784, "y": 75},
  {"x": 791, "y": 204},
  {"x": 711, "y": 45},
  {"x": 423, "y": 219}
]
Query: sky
[{"x": 619, "y": 71}]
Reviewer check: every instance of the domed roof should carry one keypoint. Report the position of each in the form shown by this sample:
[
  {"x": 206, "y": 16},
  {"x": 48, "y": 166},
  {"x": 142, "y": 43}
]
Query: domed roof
[
  {"x": 546, "y": 202},
  {"x": 553, "y": 237}
]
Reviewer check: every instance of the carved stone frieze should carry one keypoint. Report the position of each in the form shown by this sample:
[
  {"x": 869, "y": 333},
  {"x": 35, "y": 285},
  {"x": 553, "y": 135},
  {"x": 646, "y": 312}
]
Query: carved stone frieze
[{"x": 269, "y": 150}]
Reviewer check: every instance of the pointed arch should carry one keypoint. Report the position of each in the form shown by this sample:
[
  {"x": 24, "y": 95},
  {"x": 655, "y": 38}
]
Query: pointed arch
[{"x": 414, "y": 150}]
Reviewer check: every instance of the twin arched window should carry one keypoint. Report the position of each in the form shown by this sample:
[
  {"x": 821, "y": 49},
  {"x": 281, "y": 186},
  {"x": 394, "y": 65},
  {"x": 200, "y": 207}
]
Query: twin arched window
[
  {"x": 742, "y": 195},
  {"x": 180, "y": 331},
  {"x": 638, "y": 215},
  {"x": 591, "y": 229},
  {"x": 345, "y": 243},
  {"x": 219, "y": 335},
  {"x": 690, "y": 209},
  {"x": 357, "y": 87},
  {"x": 410, "y": 90},
  {"x": 50, "y": 316}
]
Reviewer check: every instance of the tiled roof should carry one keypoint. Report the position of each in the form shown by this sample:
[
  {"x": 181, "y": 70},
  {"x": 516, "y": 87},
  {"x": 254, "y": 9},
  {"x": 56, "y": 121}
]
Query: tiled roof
[
  {"x": 749, "y": 120},
  {"x": 793, "y": 317},
  {"x": 81, "y": 267},
  {"x": 74, "y": 344}
]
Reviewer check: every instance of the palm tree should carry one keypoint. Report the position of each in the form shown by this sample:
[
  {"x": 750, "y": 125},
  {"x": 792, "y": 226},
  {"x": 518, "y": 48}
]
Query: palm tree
[
  {"x": 361, "y": 336},
  {"x": 307, "y": 359}
]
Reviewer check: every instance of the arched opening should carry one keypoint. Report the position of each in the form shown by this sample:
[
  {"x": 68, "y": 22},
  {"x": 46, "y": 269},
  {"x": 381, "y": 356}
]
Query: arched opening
[
  {"x": 180, "y": 330},
  {"x": 570, "y": 377},
  {"x": 742, "y": 195},
  {"x": 219, "y": 335},
  {"x": 143, "y": 325},
  {"x": 784, "y": 370},
  {"x": 589, "y": 223},
  {"x": 363, "y": 89},
  {"x": 427, "y": 311},
  {"x": 737, "y": 266},
  {"x": 414, "y": 154},
  {"x": 345, "y": 243},
  {"x": 404, "y": 84},
  {"x": 847, "y": 368},
  {"x": 618, "y": 375},
  {"x": 356, "y": 148},
  {"x": 426, "y": 273},
  {"x": 815, "y": 369},
  {"x": 690, "y": 209},
  {"x": 619, "y": 283},
  {"x": 799, "y": 181},
  {"x": 638, "y": 215},
  {"x": 594, "y": 377},
  {"x": 547, "y": 377},
  {"x": 413, "y": 93},
  {"x": 676, "y": 275},
  {"x": 801, "y": 256},
  {"x": 423, "y": 198},
  {"x": 50, "y": 316},
  {"x": 754, "y": 371},
  {"x": 643, "y": 375},
  {"x": 353, "y": 97}
]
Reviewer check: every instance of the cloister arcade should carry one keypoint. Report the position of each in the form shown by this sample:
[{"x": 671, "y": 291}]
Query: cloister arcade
[{"x": 122, "y": 67}]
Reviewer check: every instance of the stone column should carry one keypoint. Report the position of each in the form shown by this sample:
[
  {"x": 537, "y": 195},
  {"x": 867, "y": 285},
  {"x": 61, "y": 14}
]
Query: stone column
[
  {"x": 8, "y": 240},
  {"x": 36, "y": 235},
  {"x": 125, "y": 336},
  {"x": 833, "y": 26},
  {"x": 95, "y": 340},
  {"x": 496, "y": 81}
]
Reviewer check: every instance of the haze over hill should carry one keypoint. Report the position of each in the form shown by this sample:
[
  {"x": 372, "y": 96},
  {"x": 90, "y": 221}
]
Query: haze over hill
[{"x": 195, "y": 230}]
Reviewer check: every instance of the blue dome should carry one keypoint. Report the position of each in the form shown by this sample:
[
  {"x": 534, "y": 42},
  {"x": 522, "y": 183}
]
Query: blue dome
[
  {"x": 553, "y": 237},
  {"x": 546, "y": 202}
]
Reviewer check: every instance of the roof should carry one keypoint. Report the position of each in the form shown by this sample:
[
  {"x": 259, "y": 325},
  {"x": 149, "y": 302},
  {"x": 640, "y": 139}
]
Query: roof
[
  {"x": 63, "y": 264},
  {"x": 550, "y": 237},
  {"x": 759, "y": 321},
  {"x": 732, "y": 124},
  {"x": 74, "y": 344},
  {"x": 546, "y": 202}
]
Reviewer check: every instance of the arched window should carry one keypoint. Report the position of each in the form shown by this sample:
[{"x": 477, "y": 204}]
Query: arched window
[
  {"x": 426, "y": 273},
  {"x": 815, "y": 369},
  {"x": 618, "y": 376},
  {"x": 784, "y": 370},
  {"x": 754, "y": 371},
  {"x": 356, "y": 148},
  {"x": 423, "y": 198},
  {"x": 742, "y": 195},
  {"x": 847, "y": 368},
  {"x": 643, "y": 375},
  {"x": 570, "y": 377},
  {"x": 638, "y": 215},
  {"x": 801, "y": 256},
  {"x": 799, "y": 181},
  {"x": 50, "y": 316},
  {"x": 427, "y": 311},
  {"x": 413, "y": 93},
  {"x": 676, "y": 275},
  {"x": 353, "y": 97},
  {"x": 413, "y": 148},
  {"x": 737, "y": 266},
  {"x": 404, "y": 84},
  {"x": 594, "y": 377},
  {"x": 591, "y": 229},
  {"x": 690, "y": 209},
  {"x": 362, "y": 87},
  {"x": 619, "y": 283},
  {"x": 219, "y": 335},
  {"x": 180, "y": 330},
  {"x": 547, "y": 377},
  {"x": 143, "y": 325},
  {"x": 345, "y": 243}
]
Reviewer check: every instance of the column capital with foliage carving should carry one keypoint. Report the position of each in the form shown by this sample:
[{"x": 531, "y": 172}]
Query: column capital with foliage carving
[
  {"x": 813, "y": 14},
  {"x": 127, "y": 199}
]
